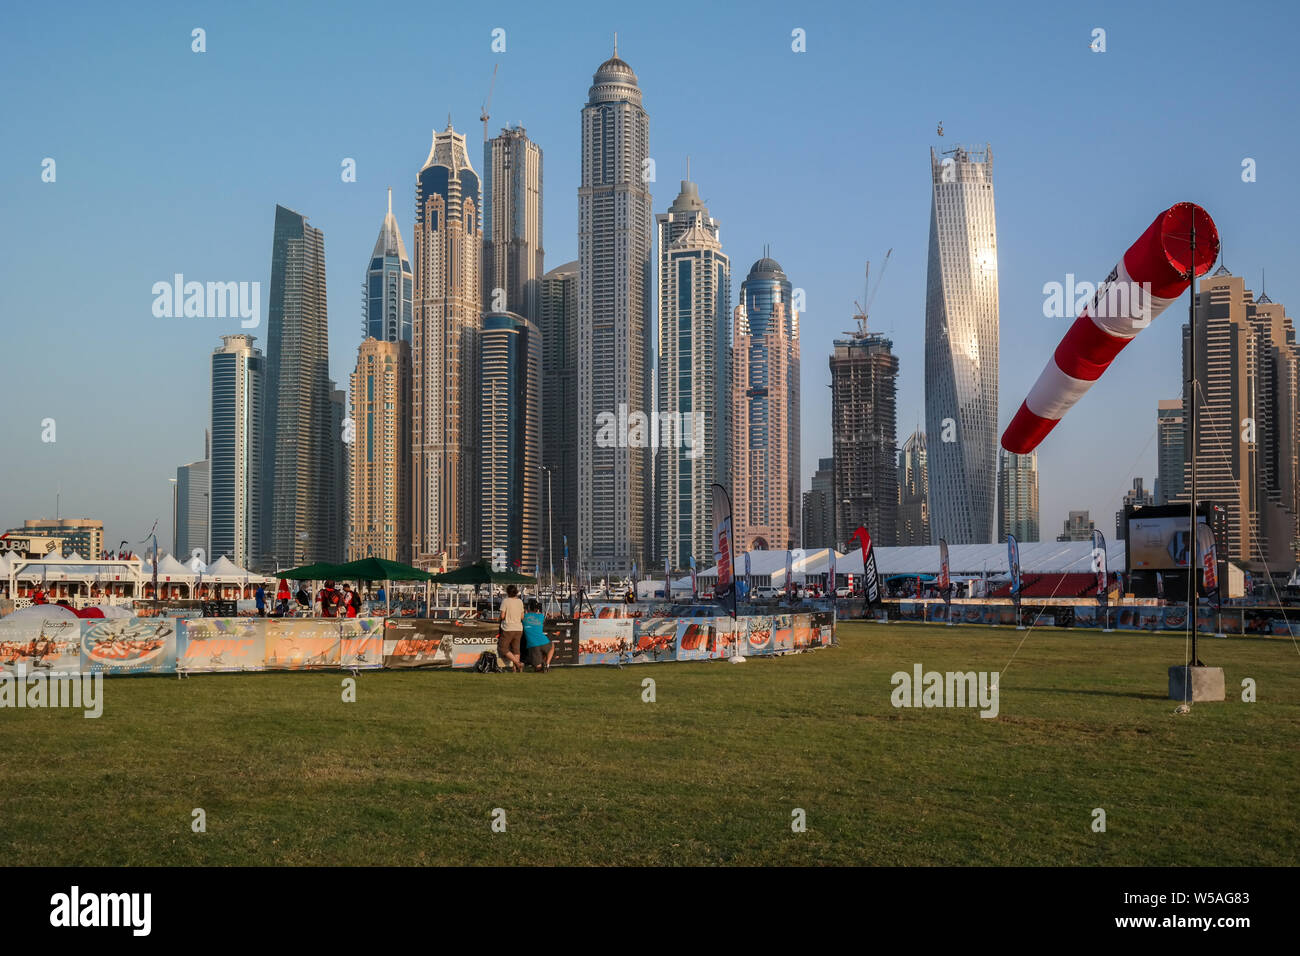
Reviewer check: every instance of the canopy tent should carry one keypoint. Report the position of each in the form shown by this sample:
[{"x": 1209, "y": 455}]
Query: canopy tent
[
  {"x": 380, "y": 569},
  {"x": 224, "y": 570},
  {"x": 481, "y": 573}
]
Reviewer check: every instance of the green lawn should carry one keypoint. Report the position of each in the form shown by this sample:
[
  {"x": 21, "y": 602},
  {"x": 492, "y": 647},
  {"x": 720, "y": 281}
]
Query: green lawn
[{"x": 588, "y": 773}]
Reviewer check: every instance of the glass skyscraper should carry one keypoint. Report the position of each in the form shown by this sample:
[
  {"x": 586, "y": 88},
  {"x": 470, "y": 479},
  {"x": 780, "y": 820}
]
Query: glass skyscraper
[
  {"x": 961, "y": 348},
  {"x": 390, "y": 285},
  {"x": 299, "y": 491}
]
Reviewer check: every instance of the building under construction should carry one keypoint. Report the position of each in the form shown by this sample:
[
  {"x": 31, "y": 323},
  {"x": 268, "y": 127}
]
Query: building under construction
[{"x": 864, "y": 388}]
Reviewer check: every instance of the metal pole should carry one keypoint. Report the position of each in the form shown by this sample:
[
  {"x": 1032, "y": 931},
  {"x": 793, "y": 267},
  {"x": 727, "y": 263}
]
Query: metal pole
[{"x": 1191, "y": 454}]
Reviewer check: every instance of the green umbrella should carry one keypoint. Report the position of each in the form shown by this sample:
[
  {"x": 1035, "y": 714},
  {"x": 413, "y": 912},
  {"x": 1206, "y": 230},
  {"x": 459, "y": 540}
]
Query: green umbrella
[
  {"x": 313, "y": 572},
  {"x": 379, "y": 569},
  {"x": 481, "y": 573}
]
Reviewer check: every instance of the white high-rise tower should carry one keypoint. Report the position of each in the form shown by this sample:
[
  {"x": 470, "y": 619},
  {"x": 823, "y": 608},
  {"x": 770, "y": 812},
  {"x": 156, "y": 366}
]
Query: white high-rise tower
[
  {"x": 614, "y": 347},
  {"x": 961, "y": 348}
]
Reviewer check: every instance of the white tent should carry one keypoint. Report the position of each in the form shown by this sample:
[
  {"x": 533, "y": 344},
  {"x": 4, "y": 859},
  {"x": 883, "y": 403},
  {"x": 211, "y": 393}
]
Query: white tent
[{"x": 225, "y": 571}]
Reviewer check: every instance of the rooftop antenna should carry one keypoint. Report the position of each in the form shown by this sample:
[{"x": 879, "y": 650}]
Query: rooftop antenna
[
  {"x": 615, "y": 44},
  {"x": 483, "y": 113},
  {"x": 390, "y": 200}
]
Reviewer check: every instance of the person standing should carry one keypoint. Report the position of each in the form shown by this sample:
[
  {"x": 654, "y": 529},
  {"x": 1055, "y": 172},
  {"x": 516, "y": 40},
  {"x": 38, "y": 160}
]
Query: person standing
[
  {"x": 537, "y": 645},
  {"x": 260, "y": 597},
  {"x": 328, "y": 599},
  {"x": 511, "y": 633}
]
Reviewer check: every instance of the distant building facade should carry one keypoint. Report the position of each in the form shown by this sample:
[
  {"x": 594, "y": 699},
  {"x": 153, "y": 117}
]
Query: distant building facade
[
  {"x": 235, "y": 462},
  {"x": 192, "y": 490},
  {"x": 1171, "y": 438},
  {"x": 511, "y": 427},
  {"x": 818, "y": 513},
  {"x": 559, "y": 331},
  {"x": 1077, "y": 527},
  {"x": 1135, "y": 497},
  {"x": 765, "y": 430},
  {"x": 1018, "y": 496},
  {"x": 83, "y": 536},
  {"x": 913, "y": 492},
  {"x": 512, "y": 224}
]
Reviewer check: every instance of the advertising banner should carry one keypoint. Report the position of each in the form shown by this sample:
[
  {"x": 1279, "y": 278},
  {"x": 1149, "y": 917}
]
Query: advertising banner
[
  {"x": 40, "y": 646},
  {"x": 605, "y": 641},
  {"x": 129, "y": 646},
  {"x": 782, "y": 633},
  {"x": 656, "y": 640},
  {"x": 361, "y": 643},
  {"x": 757, "y": 635},
  {"x": 412, "y": 642},
  {"x": 694, "y": 638},
  {"x": 212, "y": 644},
  {"x": 564, "y": 637},
  {"x": 302, "y": 644}
]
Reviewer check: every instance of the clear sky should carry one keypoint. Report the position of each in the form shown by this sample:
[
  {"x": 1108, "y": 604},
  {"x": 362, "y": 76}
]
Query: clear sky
[{"x": 172, "y": 161}]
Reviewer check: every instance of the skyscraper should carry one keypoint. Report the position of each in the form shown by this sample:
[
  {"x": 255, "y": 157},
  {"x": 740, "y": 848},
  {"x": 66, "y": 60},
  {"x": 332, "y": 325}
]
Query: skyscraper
[
  {"x": 864, "y": 386},
  {"x": 512, "y": 224},
  {"x": 379, "y": 513},
  {"x": 913, "y": 492},
  {"x": 818, "y": 514},
  {"x": 445, "y": 397},
  {"x": 511, "y": 416},
  {"x": 1246, "y": 421},
  {"x": 961, "y": 347},
  {"x": 192, "y": 492},
  {"x": 1018, "y": 497},
  {"x": 559, "y": 329},
  {"x": 389, "y": 286},
  {"x": 236, "y": 454},
  {"x": 693, "y": 369},
  {"x": 614, "y": 348},
  {"x": 297, "y": 433},
  {"x": 765, "y": 448},
  {"x": 379, "y": 486},
  {"x": 1171, "y": 437},
  {"x": 1077, "y": 527}
]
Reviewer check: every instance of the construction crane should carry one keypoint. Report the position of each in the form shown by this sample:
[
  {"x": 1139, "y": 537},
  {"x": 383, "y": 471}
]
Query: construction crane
[
  {"x": 863, "y": 311},
  {"x": 483, "y": 113}
]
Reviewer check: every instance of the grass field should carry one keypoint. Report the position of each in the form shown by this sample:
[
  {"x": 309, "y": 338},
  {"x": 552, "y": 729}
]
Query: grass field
[{"x": 588, "y": 773}]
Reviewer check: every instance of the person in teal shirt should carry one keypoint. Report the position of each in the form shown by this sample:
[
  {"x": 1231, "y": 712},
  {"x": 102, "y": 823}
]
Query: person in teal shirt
[{"x": 537, "y": 645}]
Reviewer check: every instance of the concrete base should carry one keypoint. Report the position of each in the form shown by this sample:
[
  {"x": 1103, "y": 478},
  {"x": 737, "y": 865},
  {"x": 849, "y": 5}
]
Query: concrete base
[{"x": 1207, "y": 683}]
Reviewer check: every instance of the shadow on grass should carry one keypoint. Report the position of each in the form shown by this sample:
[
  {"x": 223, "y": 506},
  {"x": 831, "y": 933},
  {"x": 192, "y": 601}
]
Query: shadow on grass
[{"x": 1092, "y": 693}]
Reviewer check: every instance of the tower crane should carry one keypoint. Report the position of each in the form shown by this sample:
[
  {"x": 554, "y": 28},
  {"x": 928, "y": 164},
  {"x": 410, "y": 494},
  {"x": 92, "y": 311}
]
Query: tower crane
[
  {"x": 869, "y": 295},
  {"x": 483, "y": 113}
]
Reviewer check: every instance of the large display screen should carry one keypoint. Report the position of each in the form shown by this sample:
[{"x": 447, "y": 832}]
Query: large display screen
[{"x": 1159, "y": 544}]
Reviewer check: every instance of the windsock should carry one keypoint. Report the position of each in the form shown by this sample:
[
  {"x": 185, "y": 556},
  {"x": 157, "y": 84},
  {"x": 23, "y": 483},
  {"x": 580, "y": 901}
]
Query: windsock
[{"x": 1151, "y": 275}]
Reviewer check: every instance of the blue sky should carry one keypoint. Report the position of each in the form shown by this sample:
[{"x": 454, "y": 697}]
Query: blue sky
[{"x": 171, "y": 161}]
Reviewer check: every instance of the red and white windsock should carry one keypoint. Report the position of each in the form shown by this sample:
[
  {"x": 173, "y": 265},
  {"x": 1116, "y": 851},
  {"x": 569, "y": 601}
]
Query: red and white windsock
[{"x": 1152, "y": 274}]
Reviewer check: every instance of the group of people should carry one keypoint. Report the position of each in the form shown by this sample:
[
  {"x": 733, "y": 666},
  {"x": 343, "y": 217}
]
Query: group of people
[
  {"x": 341, "y": 601},
  {"x": 522, "y": 632}
]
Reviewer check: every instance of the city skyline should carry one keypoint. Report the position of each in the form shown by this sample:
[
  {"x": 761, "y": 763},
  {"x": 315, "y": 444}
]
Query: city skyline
[{"x": 1227, "y": 196}]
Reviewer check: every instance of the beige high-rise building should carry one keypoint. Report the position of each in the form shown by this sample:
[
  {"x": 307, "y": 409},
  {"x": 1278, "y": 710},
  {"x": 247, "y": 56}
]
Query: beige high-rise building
[
  {"x": 765, "y": 465},
  {"x": 1248, "y": 421},
  {"x": 1225, "y": 412},
  {"x": 444, "y": 391},
  {"x": 1018, "y": 496},
  {"x": 379, "y": 489}
]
